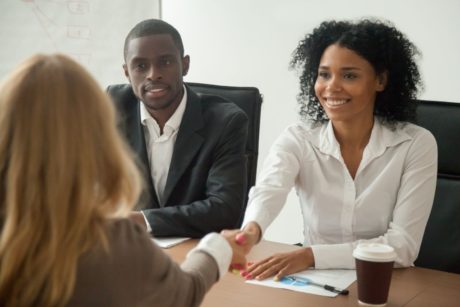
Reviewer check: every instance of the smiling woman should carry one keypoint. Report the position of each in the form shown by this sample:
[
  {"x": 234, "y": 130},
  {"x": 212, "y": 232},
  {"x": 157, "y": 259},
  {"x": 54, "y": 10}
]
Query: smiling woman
[
  {"x": 361, "y": 171},
  {"x": 347, "y": 85},
  {"x": 346, "y": 88}
]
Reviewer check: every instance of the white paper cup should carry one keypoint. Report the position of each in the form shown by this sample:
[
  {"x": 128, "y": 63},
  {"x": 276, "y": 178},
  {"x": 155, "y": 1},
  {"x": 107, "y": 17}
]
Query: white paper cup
[{"x": 374, "y": 266}]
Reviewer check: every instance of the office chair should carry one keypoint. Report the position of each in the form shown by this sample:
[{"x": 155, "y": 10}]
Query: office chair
[
  {"x": 249, "y": 100},
  {"x": 440, "y": 249}
]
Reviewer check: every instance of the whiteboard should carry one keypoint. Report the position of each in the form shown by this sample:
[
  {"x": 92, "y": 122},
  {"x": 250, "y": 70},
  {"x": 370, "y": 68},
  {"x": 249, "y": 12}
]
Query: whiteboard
[{"x": 90, "y": 31}]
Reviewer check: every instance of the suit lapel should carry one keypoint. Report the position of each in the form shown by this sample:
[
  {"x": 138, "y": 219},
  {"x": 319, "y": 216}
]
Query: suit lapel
[
  {"x": 136, "y": 139},
  {"x": 187, "y": 144}
]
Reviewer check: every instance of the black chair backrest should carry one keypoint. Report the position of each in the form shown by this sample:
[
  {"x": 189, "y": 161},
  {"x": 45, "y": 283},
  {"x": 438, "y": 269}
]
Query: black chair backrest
[
  {"x": 249, "y": 100},
  {"x": 440, "y": 248}
]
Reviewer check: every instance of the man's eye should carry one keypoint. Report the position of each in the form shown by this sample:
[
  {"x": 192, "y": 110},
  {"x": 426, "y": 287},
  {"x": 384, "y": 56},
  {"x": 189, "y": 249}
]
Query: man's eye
[
  {"x": 166, "y": 62},
  {"x": 140, "y": 66}
]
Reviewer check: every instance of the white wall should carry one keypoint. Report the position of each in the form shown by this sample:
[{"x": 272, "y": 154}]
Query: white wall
[
  {"x": 90, "y": 31},
  {"x": 249, "y": 43}
]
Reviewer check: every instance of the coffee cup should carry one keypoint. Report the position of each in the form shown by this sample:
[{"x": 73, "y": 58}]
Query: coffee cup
[{"x": 374, "y": 266}]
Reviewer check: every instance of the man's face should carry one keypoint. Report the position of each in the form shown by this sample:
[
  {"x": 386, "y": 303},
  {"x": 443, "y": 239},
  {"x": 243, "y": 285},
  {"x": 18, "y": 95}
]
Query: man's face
[{"x": 155, "y": 68}]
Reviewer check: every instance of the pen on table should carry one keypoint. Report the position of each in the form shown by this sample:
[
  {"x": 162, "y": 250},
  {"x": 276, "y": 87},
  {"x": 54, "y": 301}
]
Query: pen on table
[
  {"x": 330, "y": 288},
  {"x": 307, "y": 281}
]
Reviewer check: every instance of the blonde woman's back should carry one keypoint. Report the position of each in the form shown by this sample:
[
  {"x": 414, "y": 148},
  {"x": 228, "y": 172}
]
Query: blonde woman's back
[
  {"x": 137, "y": 272},
  {"x": 65, "y": 173}
]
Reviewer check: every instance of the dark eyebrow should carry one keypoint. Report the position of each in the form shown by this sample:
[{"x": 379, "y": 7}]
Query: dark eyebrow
[
  {"x": 162, "y": 56},
  {"x": 138, "y": 59},
  {"x": 167, "y": 56},
  {"x": 351, "y": 68},
  {"x": 343, "y": 68}
]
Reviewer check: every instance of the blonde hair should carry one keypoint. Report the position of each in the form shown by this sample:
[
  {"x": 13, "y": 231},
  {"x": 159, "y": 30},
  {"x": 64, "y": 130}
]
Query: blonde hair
[{"x": 64, "y": 172}]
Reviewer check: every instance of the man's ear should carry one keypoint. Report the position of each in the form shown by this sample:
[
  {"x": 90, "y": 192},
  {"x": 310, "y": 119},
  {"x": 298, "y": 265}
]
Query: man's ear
[
  {"x": 382, "y": 80},
  {"x": 185, "y": 65},
  {"x": 125, "y": 68}
]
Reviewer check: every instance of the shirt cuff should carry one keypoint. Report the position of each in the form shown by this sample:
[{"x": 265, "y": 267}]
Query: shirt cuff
[
  {"x": 218, "y": 248},
  {"x": 334, "y": 256},
  {"x": 261, "y": 217},
  {"x": 149, "y": 228}
]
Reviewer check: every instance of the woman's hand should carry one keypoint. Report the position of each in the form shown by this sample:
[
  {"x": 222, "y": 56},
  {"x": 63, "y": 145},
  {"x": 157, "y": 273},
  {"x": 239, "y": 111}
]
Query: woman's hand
[
  {"x": 239, "y": 251},
  {"x": 139, "y": 218},
  {"x": 280, "y": 265},
  {"x": 249, "y": 236}
]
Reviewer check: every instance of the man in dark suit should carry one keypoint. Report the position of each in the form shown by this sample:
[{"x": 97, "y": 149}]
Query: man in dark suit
[{"x": 190, "y": 148}]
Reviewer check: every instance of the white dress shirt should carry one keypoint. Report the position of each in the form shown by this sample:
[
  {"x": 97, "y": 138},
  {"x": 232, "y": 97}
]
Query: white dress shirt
[
  {"x": 160, "y": 147},
  {"x": 389, "y": 201}
]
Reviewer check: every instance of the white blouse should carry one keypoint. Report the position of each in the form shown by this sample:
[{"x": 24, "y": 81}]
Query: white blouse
[{"x": 389, "y": 201}]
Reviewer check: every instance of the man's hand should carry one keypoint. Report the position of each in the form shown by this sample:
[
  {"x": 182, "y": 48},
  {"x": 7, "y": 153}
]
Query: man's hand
[{"x": 138, "y": 217}]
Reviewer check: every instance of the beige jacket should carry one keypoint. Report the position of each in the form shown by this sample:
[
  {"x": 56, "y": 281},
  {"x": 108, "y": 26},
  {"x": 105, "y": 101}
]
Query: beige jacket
[{"x": 137, "y": 272}]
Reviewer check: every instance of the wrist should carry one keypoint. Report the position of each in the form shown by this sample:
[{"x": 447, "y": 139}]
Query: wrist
[
  {"x": 309, "y": 256},
  {"x": 253, "y": 229}
]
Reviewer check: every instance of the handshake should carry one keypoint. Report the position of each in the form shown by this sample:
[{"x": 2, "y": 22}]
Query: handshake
[
  {"x": 276, "y": 266},
  {"x": 241, "y": 242}
]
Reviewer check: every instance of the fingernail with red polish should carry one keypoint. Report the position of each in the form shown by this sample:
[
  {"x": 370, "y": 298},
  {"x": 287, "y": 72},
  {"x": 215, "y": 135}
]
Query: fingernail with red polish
[{"x": 240, "y": 238}]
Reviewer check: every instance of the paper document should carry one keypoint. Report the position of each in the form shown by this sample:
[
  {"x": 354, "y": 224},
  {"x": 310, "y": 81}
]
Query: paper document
[
  {"x": 336, "y": 278},
  {"x": 169, "y": 241}
]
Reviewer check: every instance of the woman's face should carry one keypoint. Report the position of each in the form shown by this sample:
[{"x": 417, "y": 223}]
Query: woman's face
[{"x": 346, "y": 85}]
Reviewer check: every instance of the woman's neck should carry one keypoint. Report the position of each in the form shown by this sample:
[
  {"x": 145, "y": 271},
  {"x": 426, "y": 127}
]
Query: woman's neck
[{"x": 353, "y": 134}]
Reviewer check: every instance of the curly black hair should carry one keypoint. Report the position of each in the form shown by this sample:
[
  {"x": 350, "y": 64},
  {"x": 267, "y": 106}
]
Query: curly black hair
[{"x": 382, "y": 45}]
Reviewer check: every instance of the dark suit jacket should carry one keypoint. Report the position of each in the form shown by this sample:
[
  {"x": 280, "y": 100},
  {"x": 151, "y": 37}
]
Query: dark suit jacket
[
  {"x": 136, "y": 272},
  {"x": 206, "y": 183}
]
